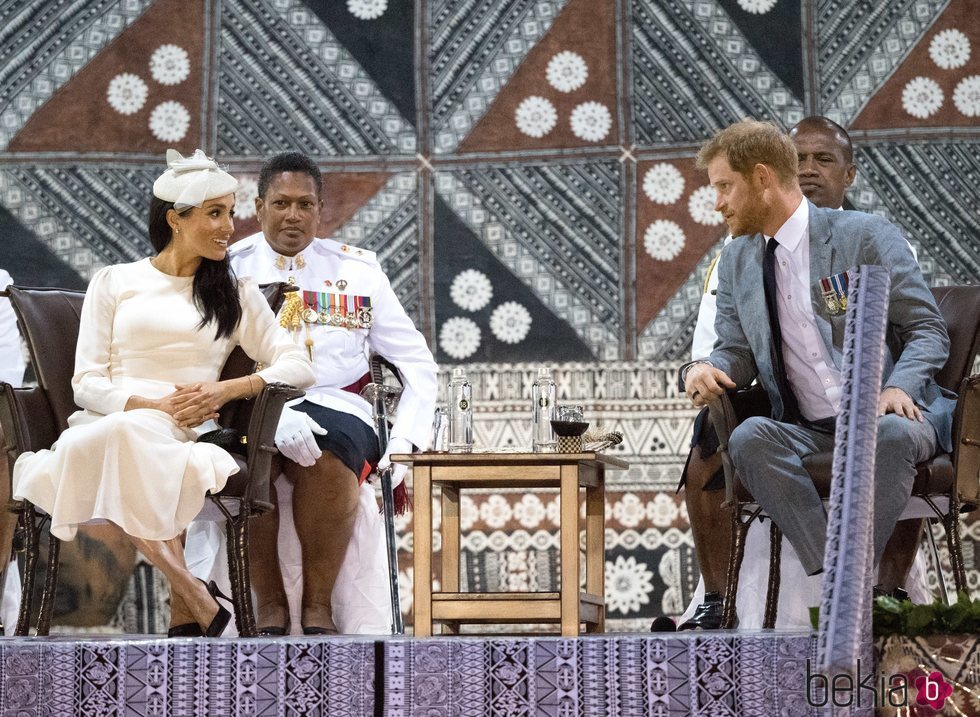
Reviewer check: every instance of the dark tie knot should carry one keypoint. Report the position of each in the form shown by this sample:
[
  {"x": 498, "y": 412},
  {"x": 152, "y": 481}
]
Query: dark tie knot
[{"x": 771, "y": 245}]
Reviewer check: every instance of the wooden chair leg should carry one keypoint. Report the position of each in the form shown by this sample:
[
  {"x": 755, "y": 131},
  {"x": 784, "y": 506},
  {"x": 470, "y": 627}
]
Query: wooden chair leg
[
  {"x": 739, "y": 529},
  {"x": 772, "y": 592},
  {"x": 245, "y": 576},
  {"x": 50, "y": 586},
  {"x": 951, "y": 522},
  {"x": 231, "y": 555},
  {"x": 934, "y": 550},
  {"x": 29, "y": 523},
  {"x": 241, "y": 591}
]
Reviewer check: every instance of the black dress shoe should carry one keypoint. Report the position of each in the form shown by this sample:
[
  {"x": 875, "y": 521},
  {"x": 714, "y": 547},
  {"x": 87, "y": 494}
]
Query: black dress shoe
[
  {"x": 314, "y": 630},
  {"x": 662, "y": 623},
  {"x": 898, "y": 593},
  {"x": 708, "y": 614},
  {"x": 272, "y": 631},
  {"x": 188, "y": 629}
]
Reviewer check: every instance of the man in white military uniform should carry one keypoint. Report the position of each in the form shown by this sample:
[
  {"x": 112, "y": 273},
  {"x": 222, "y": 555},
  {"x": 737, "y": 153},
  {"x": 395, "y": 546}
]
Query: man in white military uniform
[
  {"x": 344, "y": 308},
  {"x": 12, "y": 365}
]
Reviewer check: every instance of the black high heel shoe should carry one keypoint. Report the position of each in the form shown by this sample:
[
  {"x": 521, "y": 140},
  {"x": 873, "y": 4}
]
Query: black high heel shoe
[
  {"x": 221, "y": 618},
  {"x": 188, "y": 629}
]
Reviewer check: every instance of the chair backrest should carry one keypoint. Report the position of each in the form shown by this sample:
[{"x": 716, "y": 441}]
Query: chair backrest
[
  {"x": 48, "y": 321},
  {"x": 960, "y": 307}
]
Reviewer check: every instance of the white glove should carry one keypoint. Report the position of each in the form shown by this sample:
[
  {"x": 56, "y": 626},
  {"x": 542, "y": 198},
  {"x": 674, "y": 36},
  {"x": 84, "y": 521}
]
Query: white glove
[
  {"x": 294, "y": 437},
  {"x": 398, "y": 471}
]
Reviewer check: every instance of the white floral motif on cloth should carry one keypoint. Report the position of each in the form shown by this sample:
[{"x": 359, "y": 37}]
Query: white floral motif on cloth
[
  {"x": 471, "y": 290},
  {"x": 367, "y": 9},
  {"x": 510, "y": 322},
  {"x": 663, "y": 183},
  {"x": 628, "y": 585},
  {"x": 757, "y": 7},
  {"x": 701, "y": 205},
  {"x": 529, "y": 511},
  {"x": 567, "y": 71},
  {"x": 495, "y": 511},
  {"x": 662, "y": 510},
  {"x": 126, "y": 93},
  {"x": 663, "y": 240},
  {"x": 468, "y": 512},
  {"x": 966, "y": 96},
  {"x": 170, "y": 64},
  {"x": 922, "y": 97},
  {"x": 591, "y": 121},
  {"x": 629, "y": 510},
  {"x": 169, "y": 121},
  {"x": 459, "y": 337},
  {"x": 535, "y": 116},
  {"x": 950, "y": 49},
  {"x": 553, "y": 510},
  {"x": 245, "y": 196}
]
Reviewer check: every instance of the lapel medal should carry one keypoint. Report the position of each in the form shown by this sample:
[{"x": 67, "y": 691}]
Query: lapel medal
[{"x": 834, "y": 291}]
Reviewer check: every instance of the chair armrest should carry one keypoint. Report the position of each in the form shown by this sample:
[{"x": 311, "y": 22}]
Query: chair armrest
[
  {"x": 27, "y": 420},
  {"x": 966, "y": 443},
  {"x": 723, "y": 419},
  {"x": 261, "y": 435}
]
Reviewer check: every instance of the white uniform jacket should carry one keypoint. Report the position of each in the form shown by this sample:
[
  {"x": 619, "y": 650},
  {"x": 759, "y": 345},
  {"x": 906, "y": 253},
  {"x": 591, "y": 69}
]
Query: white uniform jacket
[
  {"x": 12, "y": 363},
  {"x": 340, "y": 354}
]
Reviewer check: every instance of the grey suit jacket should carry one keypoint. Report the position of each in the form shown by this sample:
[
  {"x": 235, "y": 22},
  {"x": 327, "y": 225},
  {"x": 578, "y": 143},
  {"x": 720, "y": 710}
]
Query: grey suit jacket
[{"x": 839, "y": 241}]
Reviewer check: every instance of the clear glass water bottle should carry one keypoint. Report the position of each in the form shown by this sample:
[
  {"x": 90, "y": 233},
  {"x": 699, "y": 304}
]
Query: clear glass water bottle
[
  {"x": 460, "y": 413},
  {"x": 543, "y": 394}
]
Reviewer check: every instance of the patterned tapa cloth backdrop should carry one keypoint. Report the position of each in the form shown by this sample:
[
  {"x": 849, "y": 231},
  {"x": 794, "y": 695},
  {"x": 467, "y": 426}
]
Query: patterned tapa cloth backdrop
[{"x": 524, "y": 168}]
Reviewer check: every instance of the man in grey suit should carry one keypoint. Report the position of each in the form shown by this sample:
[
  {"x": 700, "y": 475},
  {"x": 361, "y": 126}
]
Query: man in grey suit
[{"x": 781, "y": 318}]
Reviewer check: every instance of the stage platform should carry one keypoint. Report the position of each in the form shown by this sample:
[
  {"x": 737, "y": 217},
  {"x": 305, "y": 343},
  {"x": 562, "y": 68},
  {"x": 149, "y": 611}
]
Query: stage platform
[{"x": 721, "y": 674}]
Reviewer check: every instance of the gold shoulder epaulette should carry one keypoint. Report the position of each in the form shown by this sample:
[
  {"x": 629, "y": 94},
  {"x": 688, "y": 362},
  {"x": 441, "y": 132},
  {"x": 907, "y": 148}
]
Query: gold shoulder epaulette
[{"x": 711, "y": 268}]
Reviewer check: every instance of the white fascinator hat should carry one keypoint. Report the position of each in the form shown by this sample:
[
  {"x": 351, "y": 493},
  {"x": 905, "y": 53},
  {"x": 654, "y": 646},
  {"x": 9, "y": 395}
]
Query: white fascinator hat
[{"x": 191, "y": 181}]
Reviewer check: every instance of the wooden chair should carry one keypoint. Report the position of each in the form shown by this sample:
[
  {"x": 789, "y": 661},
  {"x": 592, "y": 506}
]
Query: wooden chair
[
  {"x": 33, "y": 418},
  {"x": 950, "y": 477}
]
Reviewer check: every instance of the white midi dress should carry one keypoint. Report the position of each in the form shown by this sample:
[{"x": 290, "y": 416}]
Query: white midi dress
[{"x": 139, "y": 335}]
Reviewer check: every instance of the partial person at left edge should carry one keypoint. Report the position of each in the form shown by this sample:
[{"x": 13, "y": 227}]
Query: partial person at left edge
[
  {"x": 153, "y": 337},
  {"x": 12, "y": 365}
]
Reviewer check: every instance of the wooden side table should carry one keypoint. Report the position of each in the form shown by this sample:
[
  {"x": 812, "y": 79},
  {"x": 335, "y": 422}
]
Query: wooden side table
[{"x": 566, "y": 471}]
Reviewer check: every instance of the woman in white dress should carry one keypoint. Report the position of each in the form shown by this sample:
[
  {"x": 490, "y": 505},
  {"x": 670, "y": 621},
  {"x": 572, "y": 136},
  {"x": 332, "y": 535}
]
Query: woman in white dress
[{"x": 153, "y": 338}]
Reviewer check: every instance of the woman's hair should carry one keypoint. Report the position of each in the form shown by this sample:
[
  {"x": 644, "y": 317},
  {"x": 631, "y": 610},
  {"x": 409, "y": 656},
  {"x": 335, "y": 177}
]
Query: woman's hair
[{"x": 215, "y": 286}]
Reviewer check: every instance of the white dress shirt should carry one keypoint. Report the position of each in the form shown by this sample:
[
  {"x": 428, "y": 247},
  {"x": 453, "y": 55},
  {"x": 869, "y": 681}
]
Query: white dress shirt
[{"x": 810, "y": 369}]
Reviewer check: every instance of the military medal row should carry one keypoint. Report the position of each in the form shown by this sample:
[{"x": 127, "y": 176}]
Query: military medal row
[
  {"x": 331, "y": 309},
  {"x": 361, "y": 319}
]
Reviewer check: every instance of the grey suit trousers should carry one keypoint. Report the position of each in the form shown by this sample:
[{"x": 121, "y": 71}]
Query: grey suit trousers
[{"x": 769, "y": 458}]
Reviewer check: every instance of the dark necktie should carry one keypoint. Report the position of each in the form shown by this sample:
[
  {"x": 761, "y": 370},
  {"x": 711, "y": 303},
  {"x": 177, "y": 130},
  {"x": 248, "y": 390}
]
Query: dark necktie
[{"x": 791, "y": 409}]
